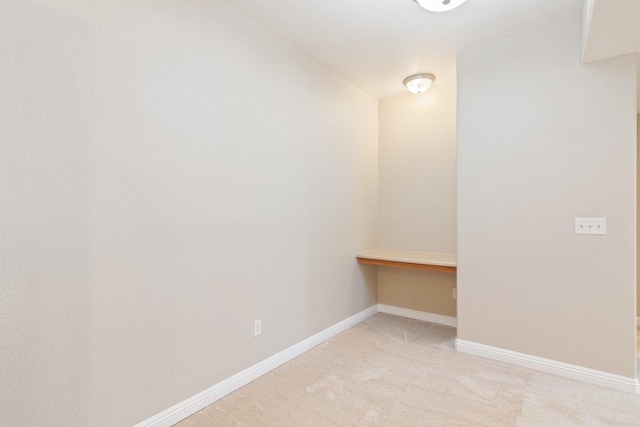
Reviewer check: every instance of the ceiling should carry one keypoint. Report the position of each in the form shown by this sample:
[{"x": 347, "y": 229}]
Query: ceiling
[
  {"x": 614, "y": 30},
  {"x": 375, "y": 44}
]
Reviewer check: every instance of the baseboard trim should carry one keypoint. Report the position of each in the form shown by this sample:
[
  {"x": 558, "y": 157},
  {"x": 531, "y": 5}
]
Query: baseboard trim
[
  {"x": 203, "y": 399},
  {"x": 579, "y": 373},
  {"x": 418, "y": 315}
]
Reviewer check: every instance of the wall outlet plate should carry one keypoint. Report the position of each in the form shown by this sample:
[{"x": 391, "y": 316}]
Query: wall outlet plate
[{"x": 591, "y": 226}]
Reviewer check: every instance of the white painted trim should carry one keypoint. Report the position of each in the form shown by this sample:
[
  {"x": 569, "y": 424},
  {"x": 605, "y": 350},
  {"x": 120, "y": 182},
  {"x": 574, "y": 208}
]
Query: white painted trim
[
  {"x": 418, "y": 315},
  {"x": 587, "y": 375},
  {"x": 203, "y": 399}
]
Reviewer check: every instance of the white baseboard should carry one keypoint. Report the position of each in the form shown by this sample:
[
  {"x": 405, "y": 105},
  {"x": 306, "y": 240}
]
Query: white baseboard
[
  {"x": 201, "y": 400},
  {"x": 418, "y": 315},
  {"x": 591, "y": 376}
]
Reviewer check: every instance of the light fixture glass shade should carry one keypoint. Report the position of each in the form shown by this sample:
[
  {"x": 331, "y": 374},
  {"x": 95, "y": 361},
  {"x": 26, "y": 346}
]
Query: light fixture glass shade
[
  {"x": 419, "y": 83},
  {"x": 439, "y": 5}
]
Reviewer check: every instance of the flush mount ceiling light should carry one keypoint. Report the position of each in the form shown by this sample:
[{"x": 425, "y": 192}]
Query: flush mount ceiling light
[
  {"x": 439, "y": 5},
  {"x": 419, "y": 83}
]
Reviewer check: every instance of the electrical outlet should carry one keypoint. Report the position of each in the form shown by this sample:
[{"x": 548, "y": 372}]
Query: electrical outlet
[
  {"x": 591, "y": 226},
  {"x": 455, "y": 293},
  {"x": 257, "y": 327}
]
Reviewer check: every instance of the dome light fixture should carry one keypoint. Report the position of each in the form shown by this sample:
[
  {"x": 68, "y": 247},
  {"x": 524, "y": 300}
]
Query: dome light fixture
[
  {"x": 439, "y": 5},
  {"x": 419, "y": 83}
]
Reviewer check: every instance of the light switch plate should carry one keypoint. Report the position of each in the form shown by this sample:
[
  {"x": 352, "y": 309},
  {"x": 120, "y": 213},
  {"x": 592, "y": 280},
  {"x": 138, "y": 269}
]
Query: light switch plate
[{"x": 591, "y": 225}]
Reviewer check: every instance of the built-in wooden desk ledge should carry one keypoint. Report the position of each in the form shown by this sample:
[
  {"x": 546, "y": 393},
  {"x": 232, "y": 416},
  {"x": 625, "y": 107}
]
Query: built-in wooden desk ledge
[{"x": 421, "y": 260}]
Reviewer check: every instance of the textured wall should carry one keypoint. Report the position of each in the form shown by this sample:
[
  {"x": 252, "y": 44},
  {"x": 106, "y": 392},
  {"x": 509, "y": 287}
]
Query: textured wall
[
  {"x": 418, "y": 194},
  {"x": 542, "y": 140},
  {"x": 169, "y": 172}
]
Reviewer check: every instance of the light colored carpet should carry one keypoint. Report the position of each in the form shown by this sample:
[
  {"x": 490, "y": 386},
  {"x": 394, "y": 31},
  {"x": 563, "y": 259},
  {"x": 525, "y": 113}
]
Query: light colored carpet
[{"x": 393, "y": 371}]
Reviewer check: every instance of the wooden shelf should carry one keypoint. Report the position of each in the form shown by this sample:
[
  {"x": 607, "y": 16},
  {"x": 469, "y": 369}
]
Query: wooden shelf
[{"x": 446, "y": 263}]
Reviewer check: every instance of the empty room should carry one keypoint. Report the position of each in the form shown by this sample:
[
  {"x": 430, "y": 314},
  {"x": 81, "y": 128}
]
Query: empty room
[{"x": 329, "y": 213}]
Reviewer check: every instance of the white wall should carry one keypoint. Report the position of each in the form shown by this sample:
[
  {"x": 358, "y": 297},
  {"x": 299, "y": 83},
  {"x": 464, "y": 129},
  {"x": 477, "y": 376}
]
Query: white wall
[
  {"x": 543, "y": 140},
  {"x": 418, "y": 194},
  {"x": 169, "y": 172}
]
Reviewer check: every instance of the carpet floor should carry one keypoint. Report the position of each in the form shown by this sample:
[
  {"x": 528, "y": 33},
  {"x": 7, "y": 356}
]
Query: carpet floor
[{"x": 393, "y": 371}]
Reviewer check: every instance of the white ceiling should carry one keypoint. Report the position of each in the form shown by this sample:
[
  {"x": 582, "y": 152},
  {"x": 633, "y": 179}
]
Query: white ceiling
[
  {"x": 614, "y": 30},
  {"x": 375, "y": 44}
]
